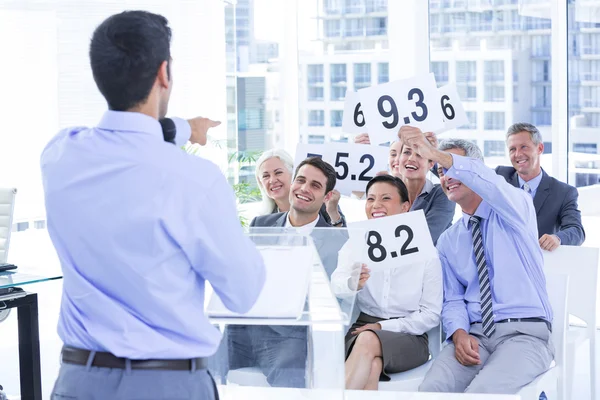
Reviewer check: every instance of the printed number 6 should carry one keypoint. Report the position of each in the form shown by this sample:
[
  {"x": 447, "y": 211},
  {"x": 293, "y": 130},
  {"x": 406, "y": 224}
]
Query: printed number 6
[
  {"x": 447, "y": 108},
  {"x": 356, "y": 114}
]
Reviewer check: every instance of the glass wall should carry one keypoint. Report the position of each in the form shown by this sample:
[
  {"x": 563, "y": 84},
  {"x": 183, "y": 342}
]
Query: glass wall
[
  {"x": 498, "y": 52},
  {"x": 584, "y": 92},
  {"x": 499, "y": 55}
]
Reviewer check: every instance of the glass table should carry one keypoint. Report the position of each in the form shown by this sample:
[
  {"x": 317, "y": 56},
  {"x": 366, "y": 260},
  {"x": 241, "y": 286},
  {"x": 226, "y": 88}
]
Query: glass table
[{"x": 26, "y": 303}]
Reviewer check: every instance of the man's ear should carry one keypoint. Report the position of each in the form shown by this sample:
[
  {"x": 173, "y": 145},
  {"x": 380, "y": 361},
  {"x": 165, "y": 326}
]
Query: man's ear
[
  {"x": 541, "y": 148},
  {"x": 163, "y": 75},
  {"x": 328, "y": 196}
]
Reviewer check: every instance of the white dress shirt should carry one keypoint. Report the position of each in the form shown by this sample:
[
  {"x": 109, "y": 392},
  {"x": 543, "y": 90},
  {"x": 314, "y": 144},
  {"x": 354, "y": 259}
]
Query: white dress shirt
[
  {"x": 304, "y": 229},
  {"x": 411, "y": 294}
]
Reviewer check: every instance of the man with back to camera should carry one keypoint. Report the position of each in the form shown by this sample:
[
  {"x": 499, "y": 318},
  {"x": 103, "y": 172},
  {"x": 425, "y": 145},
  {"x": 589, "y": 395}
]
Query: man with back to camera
[
  {"x": 280, "y": 351},
  {"x": 496, "y": 310},
  {"x": 558, "y": 218},
  {"x": 138, "y": 233}
]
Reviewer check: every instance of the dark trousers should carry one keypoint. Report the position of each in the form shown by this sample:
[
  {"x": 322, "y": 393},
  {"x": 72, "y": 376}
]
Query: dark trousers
[{"x": 278, "y": 351}]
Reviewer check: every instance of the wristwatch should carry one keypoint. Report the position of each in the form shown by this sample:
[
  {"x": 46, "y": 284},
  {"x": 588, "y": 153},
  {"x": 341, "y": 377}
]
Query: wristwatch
[{"x": 338, "y": 222}]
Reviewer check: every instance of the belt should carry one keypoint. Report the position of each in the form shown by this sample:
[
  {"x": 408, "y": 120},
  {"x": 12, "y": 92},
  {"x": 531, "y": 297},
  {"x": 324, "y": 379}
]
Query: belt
[
  {"x": 548, "y": 324},
  {"x": 101, "y": 359}
]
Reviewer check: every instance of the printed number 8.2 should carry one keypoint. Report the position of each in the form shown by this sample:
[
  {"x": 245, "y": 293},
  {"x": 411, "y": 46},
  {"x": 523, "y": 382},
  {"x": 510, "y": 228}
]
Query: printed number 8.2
[{"x": 382, "y": 253}]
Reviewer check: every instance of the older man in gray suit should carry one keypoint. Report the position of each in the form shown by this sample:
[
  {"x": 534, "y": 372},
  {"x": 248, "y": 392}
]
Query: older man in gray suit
[
  {"x": 558, "y": 218},
  {"x": 280, "y": 351}
]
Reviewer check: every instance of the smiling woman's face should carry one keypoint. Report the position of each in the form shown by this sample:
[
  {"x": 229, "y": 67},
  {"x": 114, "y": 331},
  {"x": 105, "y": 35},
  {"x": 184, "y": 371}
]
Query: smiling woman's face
[
  {"x": 383, "y": 200},
  {"x": 412, "y": 165},
  {"x": 394, "y": 159},
  {"x": 275, "y": 178}
]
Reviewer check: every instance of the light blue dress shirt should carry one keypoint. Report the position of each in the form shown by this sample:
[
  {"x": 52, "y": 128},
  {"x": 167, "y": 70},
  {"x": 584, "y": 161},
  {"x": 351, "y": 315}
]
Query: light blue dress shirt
[
  {"x": 513, "y": 255},
  {"x": 533, "y": 184},
  {"x": 139, "y": 226}
]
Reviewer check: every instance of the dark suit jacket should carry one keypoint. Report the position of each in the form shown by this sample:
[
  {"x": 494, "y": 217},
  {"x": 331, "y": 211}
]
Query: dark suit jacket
[{"x": 555, "y": 205}]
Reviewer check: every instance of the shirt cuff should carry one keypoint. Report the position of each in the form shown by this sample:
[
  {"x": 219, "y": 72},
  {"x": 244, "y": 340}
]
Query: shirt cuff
[
  {"x": 453, "y": 327},
  {"x": 559, "y": 239},
  {"x": 393, "y": 325},
  {"x": 183, "y": 131}
]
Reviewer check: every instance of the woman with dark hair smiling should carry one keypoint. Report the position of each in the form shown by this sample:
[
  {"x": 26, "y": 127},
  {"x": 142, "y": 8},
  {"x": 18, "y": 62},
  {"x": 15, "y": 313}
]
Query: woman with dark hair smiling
[{"x": 389, "y": 335}]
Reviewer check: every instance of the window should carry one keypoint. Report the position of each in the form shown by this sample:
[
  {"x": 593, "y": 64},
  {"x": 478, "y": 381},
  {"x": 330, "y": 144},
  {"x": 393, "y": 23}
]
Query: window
[
  {"x": 494, "y": 148},
  {"x": 383, "y": 73},
  {"x": 21, "y": 226},
  {"x": 541, "y": 118},
  {"x": 591, "y": 96},
  {"x": 541, "y": 71},
  {"x": 472, "y": 116},
  {"x": 316, "y": 139},
  {"x": 332, "y": 6},
  {"x": 332, "y": 28},
  {"x": 353, "y": 27},
  {"x": 541, "y": 46},
  {"x": 362, "y": 75},
  {"x": 493, "y": 120},
  {"x": 39, "y": 224},
  {"x": 494, "y": 93},
  {"x": 440, "y": 71},
  {"x": 315, "y": 78},
  {"x": 336, "y": 118},
  {"x": 316, "y": 118},
  {"x": 466, "y": 71},
  {"x": 338, "y": 73},
  {"x": 314, "y": 73},
  {"x": 493, "y": 71},
  {"x": 589, "y": 148},
  {"x": 542, "y": 96},
  {"x": 376, "y": 26},
  {"x": 547, "y": 147},
  {"x": 338, "y": 82},
  {"x": 467, "y": 92},
  {"x": 315, "y": 93}
]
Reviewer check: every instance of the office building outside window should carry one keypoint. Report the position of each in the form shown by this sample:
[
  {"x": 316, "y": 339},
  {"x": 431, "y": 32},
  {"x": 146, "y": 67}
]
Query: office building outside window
[
  {"x": 383, "y": 73},
  {"x": 316, "y": 118}
]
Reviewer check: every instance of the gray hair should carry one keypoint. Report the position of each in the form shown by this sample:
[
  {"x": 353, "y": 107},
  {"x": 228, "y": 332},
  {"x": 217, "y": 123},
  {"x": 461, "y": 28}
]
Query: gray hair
[
  {"x": 534, "y": 133},
  {"x": 470, "y": 148},
  {"x": 268, "y": 204}
]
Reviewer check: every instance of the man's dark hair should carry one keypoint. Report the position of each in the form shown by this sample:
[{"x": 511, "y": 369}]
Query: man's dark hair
[
  {"x": 392, "y": 180},
  {"x": 326, "y": 168},
  {"x": 126, "y": 52}
]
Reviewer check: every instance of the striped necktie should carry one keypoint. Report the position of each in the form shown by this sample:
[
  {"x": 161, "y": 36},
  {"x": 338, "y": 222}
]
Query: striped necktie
[
  {"x": 527, "y": 188},
  {"x": 485, "y": 291}
]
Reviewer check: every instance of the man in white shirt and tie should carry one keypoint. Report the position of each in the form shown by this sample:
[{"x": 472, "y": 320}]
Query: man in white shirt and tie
[{"x": 397, "y": 306}]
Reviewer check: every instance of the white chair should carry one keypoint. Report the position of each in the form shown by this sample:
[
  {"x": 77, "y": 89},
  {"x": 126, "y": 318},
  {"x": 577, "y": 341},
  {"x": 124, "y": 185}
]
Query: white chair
[
  {"x": 581, "y": 264},
  {"x": 249, "y": 376},
  {"x": 7, "y": 206},
  {"x": 552, "y": 382},
  {"x": 409, "y": 381}
]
